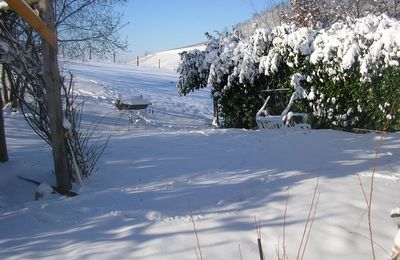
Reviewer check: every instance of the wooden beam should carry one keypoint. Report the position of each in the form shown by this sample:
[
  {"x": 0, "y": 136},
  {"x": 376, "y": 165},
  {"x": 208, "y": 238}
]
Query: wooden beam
[{"x": 29, "y": 16}]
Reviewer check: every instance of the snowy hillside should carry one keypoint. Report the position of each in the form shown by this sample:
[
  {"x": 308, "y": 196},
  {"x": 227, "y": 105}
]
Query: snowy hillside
[
  {"x": 166, "y": 59},
  {"x": 152, "y": 175}
]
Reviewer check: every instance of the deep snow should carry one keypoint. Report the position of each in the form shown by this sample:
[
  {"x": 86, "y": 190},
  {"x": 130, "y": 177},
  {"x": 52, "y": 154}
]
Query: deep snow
[{"x": 137, "y": 204}]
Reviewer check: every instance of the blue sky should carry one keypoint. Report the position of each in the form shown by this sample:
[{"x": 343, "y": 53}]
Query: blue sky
[{"x": 157, "y": 25}]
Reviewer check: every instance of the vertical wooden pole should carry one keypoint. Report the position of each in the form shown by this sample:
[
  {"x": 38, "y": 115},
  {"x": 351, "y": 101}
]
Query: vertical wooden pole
[
  {"x": 52, "y": 81},
  {"x": 3, "y": 144},
  {"x": 114, "y": 56},
  {"x": 137, "y": 61}
]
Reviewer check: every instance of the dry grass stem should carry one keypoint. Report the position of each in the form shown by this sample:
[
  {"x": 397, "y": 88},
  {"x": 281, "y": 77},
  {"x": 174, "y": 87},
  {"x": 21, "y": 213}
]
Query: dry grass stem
[
  {"x": 277, "y": 250},
  {"x": 258, "y": 230},
  {"x": 240, "y": 253},
  {"x": 197, "y": 255},
  {"x": 200, "y": 255},
  {"x": 313, "y": 208},
  {"x": 367, "y": 238},
  {"x": 372, "y": 182},
  {"x": 311, "y": 224},
  {"x": 284, "y": 254},
  {"x": 363, "y": 190}
]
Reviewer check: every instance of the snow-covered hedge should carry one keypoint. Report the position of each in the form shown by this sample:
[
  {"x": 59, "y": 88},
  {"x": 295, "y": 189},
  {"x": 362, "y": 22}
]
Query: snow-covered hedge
[{"x": 351, "y": 72}]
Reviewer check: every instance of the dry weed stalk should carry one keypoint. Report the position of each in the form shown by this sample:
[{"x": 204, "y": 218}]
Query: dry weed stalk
[
  {"x": 199, "y": 255},
  {"x": 309, "y": 222},
  {"x": 284, "y": 246},
  {"x": 258, "y": 230},
  {"x": 368, "y": 199},
  {"x": 240, "y": 253},
  {"x": 377, "y": 244}
]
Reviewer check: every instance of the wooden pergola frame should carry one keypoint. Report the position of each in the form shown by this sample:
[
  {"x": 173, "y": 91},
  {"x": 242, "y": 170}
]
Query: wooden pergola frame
[{"x": 29, "y": 16}]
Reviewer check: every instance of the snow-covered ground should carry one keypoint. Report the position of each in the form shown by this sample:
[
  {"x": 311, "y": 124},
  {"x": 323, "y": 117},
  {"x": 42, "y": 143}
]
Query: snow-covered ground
[
  {"x": 166, "y": 59},
  {"x": 151, "y": 176}
]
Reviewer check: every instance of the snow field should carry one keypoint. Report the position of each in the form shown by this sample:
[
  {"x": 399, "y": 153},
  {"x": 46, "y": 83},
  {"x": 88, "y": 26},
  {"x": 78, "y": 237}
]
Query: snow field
[{"x": 137, "y": 205}]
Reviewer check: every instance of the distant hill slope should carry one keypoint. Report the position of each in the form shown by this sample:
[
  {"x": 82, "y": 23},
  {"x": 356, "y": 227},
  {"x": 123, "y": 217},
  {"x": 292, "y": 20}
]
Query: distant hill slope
[
  {"x": 167, "y": 59},
  {"x": 170, "y": 59}
]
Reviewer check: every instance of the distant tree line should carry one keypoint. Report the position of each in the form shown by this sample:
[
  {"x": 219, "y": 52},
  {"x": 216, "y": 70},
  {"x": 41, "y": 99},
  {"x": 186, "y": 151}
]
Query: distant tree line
[{"x": 310, "y": 13}]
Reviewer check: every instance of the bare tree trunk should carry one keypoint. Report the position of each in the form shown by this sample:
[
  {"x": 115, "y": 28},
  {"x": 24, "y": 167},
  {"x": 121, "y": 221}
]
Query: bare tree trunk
[
  {"x": 3, "y": 144},
  {"x": 53, "y": 90}
]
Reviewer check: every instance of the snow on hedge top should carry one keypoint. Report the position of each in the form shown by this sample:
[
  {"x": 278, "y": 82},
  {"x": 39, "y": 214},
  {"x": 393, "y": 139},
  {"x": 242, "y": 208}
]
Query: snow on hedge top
[
  {"x": 368, "y": 44},
  {"x": 288, "y": 42},
  {"x": 372, "y": 41}
]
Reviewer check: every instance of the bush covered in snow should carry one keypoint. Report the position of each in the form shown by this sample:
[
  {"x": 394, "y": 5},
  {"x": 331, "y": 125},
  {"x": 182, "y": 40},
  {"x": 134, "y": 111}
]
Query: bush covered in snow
[{"x": 349, "y": 71}]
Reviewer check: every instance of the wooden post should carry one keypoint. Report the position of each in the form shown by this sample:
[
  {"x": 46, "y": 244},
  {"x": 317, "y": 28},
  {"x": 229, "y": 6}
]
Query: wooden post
[
  {"x": 114, "y": 56},
  {"x": 3, "y": 144},
  {"x": 137, "y": 61},
  {"x": 52, "y": 79}
]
